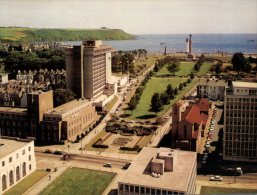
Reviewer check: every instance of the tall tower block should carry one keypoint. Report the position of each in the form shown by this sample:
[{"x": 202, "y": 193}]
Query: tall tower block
[
  {"x": 187, "y": 45},
  {"x": 190, "y": 44},
  {"x": 88, "y": 68}
]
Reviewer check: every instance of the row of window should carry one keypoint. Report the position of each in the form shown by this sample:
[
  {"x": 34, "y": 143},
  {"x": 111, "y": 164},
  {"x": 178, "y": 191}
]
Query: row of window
[
  {"x": 144, "y": 190},
  {"x": 241, "y": 153},
  {"x": 17, "y": 156},
  {"x": 239, "y": 100}
]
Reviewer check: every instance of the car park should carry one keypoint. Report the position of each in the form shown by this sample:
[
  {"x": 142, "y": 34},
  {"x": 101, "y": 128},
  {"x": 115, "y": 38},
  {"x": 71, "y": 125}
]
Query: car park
[
  {"x": 109, "y": 165},
  {"x": 216, "y": 178}
]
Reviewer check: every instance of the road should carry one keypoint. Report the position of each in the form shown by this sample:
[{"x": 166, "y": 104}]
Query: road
[
  {"x": 88, "y": 159},
  {"x": 249, "y": 178}
]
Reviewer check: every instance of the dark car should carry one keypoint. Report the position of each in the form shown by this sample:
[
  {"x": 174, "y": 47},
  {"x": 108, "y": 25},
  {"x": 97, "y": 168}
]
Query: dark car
[
  {"x": 58, "y": 152},
  {"x": 126, "y": 166}
]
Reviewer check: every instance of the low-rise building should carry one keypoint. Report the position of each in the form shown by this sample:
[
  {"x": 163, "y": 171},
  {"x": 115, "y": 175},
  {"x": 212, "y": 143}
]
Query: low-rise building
[
  {"x": 160, "y": 171},
  {"x": 188, "y": 123},
  {"x": 17, "y": 161},
  {"x": 45, "y": 123},
  {"x": 68, "y": 121},
  {"x": 211, "y": 88}
]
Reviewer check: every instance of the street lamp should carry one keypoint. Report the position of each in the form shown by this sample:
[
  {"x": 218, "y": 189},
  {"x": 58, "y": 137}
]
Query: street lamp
[
  {"x": 235, "y": 168},
  {"x": 81, "y": 146},
  {"x": 235, "y": 158}
]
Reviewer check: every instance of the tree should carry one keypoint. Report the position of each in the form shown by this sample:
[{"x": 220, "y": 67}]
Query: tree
[
  {"x": 192, "y": 75},
  {"x": 156, "y": 103},
  {"x": 180, "y": 87},
  {"x": 238, "y": 61},
  {"x": 173, "y": 67},
  {"x": 62, "y": 96},
  {"x": 132, "y": 104},
  {"x": 165, "y": 98},
  {"x": 176, "y": 91},
  {"x": 218, "y": 67},
  {"x": 197, "y": 66},
  {"x": 170, "y": 90},
  {"x": 116, "y": 61},
  {"x": 248, "y": 68}
]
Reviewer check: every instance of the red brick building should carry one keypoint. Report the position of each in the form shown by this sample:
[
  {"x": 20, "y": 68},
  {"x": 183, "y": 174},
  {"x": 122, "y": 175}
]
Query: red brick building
[{"x": 188, "y": 123}]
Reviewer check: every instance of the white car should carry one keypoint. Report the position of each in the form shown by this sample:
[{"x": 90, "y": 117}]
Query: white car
[
  {"x": 216, "y": 178},
  {"x": 207, "y": 145}
]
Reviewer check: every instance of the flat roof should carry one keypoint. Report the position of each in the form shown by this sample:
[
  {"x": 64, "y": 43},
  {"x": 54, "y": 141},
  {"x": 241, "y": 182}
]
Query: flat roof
[
  {"x": 177, "y": 180},
  {"x": 244, "y": 84},
  {"x": 13, "y": 109},
  {"x": 212, "y": 82},
  {"x": 64, "y": 108},
  {"x": 10, "y": 146}
]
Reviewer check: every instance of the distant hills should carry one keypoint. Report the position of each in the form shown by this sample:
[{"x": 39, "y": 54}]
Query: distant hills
[{"x": 22, "y": 34}]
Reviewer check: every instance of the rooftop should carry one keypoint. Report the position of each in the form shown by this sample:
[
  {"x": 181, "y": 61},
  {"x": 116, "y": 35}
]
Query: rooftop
[
  {"x": 244, "y": 84},
  {"x": 13, "y": 109},
  {"x": 212, "y": 82},
  {"x": 72, "y": 105},
  {"x": 10, "y": 146},
  {"x": 178, "y": 179}
]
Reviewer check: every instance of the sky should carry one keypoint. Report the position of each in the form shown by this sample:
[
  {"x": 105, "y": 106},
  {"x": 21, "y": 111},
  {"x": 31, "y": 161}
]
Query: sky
[{"x": 134, "y": 16}]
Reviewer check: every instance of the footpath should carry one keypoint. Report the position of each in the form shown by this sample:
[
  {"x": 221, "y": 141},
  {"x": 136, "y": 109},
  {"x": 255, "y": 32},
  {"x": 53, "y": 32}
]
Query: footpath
[{"x": 45, "y": 181}]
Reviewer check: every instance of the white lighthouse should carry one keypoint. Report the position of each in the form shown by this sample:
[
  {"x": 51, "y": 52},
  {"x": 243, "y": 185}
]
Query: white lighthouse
[{"x": 187, "y": 45}]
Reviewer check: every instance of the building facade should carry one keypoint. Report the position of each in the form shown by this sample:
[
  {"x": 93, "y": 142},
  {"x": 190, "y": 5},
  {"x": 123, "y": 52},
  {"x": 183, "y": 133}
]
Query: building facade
[
  {"x": 88, "y": 68},
  {"x": 160, "y": 171},
  {"x": 45, "y": 123},
  {"x": 212, "y": 89},
  {"x": 240, "y": 122},
  {"x": 17, "y": 161},
  {"x": 68, "y": 121}
]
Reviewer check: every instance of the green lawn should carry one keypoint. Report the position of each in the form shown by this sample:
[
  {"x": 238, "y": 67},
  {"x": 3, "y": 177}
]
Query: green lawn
[
  {"x": 79, "y": 181},
  {"x": 111, "y": 103},
  {"x": 158, "y": 85},
  {"x": 100, "y": 135},
  {"x": 25, "y": 184},
  {"x": 185, "y": 69},
  {"x": 204, "y": 68},
  {"x": 220, "y": 190}
]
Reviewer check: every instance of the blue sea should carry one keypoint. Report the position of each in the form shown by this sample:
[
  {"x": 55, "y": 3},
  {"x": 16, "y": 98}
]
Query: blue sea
[{"x": 201, "y": 43}]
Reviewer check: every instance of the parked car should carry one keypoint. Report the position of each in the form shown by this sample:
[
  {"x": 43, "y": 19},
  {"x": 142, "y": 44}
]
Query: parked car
[
  {"x": 49, "y": 151},
  {"x": 216, "y": 178},
  {"x": 108, "y": 165},
  {"x": 205, "y": 155},
  {"x": 58, "y": 152},
  {"x": 126, "y": 166},
  {"x": 203, "y": 162},
  {"x": 207, "y": 145}
]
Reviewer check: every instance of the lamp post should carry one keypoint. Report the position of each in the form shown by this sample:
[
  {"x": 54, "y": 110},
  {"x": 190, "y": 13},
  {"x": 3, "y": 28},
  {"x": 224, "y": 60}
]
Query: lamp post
[
  {"x": 235, "y": 158},
  {"x": 235, "y": 169}
]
